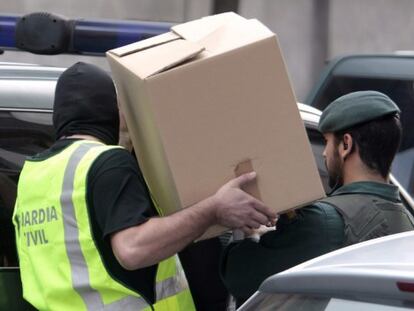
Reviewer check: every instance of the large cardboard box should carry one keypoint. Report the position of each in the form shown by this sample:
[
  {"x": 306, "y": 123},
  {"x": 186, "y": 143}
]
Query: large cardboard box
[{"x": 208, "y": 101}]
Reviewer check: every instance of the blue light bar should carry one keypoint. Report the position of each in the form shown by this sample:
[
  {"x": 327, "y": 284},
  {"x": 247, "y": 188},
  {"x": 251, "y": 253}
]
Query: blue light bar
[
  {"x": 7, "y": 29},
  {"x": 91, "y": 36},
  {"x": 98, "y": 36}
]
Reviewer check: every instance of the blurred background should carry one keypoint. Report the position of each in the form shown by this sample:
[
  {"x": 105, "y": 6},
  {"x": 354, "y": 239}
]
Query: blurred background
[{"x": 310, "y": 31}]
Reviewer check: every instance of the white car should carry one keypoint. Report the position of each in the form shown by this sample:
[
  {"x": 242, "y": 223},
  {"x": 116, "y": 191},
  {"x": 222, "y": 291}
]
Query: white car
[{"x": 377, "y": 275}]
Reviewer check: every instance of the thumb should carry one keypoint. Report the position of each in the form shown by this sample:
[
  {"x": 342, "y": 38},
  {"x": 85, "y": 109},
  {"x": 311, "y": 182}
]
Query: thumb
[{"x": 242, "y": 179}]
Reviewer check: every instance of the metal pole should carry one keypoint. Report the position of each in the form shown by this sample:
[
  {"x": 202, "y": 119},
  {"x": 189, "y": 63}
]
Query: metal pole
[{"x": 221, "y": 6}]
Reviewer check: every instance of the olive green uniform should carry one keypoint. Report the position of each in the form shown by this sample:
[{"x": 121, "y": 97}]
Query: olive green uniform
[{"x": 315, "y": 230}]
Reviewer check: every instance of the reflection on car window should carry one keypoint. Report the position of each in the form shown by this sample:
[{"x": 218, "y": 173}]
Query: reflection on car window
[
  {"x": 297, "y": 302},
  {"x": 346, "y": 305},
  {"x": 290, "y": 302},
  {"x": 21, "y": 134}
]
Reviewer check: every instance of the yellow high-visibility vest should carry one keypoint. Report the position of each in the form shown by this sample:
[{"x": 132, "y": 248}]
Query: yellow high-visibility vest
[{"x": 61, "y": 268}]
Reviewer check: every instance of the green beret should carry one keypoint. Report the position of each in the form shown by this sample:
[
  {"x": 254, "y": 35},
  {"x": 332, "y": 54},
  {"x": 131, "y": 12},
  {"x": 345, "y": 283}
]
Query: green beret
[{"x": 355, "y": 108}]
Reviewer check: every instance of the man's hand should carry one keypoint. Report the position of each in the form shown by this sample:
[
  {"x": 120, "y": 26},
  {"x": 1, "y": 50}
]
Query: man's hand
[{"x": 237, "y": 209}]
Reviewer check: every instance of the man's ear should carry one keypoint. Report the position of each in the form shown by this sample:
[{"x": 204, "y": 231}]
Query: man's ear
[{"x": 347, "y": 145}]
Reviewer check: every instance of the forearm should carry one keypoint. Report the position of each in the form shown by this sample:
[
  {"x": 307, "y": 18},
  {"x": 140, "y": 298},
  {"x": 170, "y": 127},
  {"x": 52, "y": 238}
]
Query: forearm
[{"x": 162, "y": 237}]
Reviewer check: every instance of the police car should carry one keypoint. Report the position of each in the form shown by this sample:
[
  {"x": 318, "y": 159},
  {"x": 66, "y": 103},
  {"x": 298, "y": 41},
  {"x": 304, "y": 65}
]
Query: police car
[{"x": 26, "y": 102}]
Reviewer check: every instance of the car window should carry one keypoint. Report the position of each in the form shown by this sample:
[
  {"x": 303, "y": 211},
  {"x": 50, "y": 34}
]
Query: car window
[
  {"x": 346, "y": 305},
  {"x": 11, "y": 297},
  {"x": 402, "y": 92},
  {"x": 285, "y": 302},
  {"x": 22, "y": 134},
  {"x": 296, "y": 302},
  {"x": 32, "y": 91}
]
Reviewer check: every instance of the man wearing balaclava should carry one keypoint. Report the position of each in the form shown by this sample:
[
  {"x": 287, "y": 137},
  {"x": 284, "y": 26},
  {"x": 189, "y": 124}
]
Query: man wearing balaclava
[
  {"x": 88, "y": 236},
  {"x": 362, "y": 132}
]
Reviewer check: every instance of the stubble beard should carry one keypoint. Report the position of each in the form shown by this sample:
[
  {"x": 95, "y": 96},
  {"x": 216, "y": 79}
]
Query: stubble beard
[{"x": 335, "y": 171}]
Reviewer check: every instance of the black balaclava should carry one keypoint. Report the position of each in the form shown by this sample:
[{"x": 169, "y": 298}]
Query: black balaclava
[{"x": 85, "y": 103}]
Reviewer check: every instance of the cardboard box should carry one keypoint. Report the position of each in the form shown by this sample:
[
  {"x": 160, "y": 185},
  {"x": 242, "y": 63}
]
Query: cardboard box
[{"x": 208, "y": 101}]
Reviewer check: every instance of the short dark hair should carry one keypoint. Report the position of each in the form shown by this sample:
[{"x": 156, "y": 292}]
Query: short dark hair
[{"x": 378, "y": 142}]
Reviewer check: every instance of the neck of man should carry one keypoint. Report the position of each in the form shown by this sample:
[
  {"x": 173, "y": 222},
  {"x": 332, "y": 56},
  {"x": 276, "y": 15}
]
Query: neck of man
[
  {"x": 355, "y": 170},
  {"x": 82, "y": 136}
]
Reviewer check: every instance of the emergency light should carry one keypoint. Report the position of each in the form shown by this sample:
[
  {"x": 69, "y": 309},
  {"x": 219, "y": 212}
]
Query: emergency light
[{"x": 45, "y": 33}]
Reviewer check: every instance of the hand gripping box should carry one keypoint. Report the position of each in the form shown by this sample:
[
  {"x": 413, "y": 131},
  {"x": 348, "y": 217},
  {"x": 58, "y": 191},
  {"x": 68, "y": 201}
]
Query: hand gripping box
[{"x": 208, "y": 101}]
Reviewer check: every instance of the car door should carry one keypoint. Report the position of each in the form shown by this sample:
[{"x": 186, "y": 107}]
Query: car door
[{"x": 26, "y": 97}]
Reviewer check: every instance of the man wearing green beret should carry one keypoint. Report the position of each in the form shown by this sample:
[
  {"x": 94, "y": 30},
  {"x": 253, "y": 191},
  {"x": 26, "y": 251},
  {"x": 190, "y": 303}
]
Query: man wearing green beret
[{"x": 362, "y": 131}]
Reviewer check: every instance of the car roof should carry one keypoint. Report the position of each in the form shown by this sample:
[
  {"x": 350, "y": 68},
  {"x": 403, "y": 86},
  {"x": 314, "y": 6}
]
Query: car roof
[
  {"x": 395, "y": 66},
  {"x": 309, "y": 115},
  {"x": 382, "y": 267},
  {"x": 27, "y": 86},
  {"x": 43, "y": 81}
]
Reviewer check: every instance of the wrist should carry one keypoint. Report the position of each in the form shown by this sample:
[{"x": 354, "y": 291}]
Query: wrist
[{"x": 208, "y": 207}]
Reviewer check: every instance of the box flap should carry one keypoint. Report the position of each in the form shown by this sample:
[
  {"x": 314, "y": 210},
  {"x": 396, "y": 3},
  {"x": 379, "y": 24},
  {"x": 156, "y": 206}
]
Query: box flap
[
  {"x": 234, "y": 34},
  {"x": 160, "y": 58},
  {"x": 196, "y": 30},
  {"x": 144, "y": 44}
]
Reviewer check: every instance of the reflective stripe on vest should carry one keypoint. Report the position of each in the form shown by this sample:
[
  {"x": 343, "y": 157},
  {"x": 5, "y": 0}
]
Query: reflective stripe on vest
[
  {"x": 170, "y": 279},
  {"x": 171, "y": 288},
  {"x": 79, "y": 268}
]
